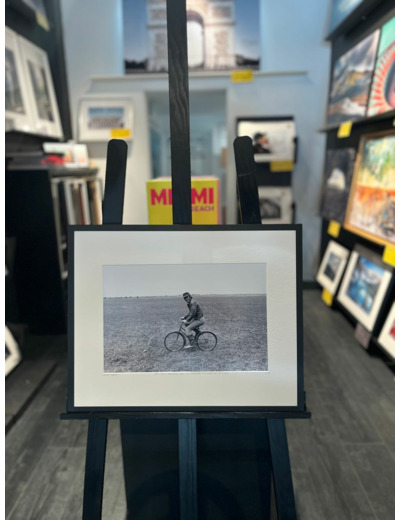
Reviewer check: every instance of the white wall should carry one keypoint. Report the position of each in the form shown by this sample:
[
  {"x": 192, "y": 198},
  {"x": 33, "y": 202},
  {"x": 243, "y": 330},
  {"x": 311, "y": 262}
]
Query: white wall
[{"x": 292, "y": 39}]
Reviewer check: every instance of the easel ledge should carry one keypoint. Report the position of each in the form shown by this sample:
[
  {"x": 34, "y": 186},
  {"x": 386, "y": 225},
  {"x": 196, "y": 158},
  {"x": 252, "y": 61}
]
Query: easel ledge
[{"x": 186, "y": 415}]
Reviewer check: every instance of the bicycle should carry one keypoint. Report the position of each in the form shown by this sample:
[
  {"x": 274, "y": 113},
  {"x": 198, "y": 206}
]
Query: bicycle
[{"x": 175, "y": 341}]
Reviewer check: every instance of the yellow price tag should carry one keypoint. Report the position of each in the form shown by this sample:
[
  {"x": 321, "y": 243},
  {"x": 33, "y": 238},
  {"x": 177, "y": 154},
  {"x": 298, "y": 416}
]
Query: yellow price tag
[
  {"x": 388, "y": 255},
  {"x": 334, "y": 228},
  {"x": 242, "y": 76},
  {"x": 327, "y": 297},
  {"x": 281, "y": 166},
  {"x": 42, "y": 21},
  {"x": 345, "y": 129},
  {"x": 120, "y": 133}
]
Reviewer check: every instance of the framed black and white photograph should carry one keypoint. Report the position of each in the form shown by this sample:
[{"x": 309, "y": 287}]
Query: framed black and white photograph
[
  {"x": 37, "y": 76},
  {"x": 274, "y": 139},
  {"x": 99, "y": 118},
  {"x": 386, "y": 338},
  {"x": 276, "y": 204},
  {"x": 18, "y": 107},
  {"x": 12, "y": 353},
  {"x": 365, "y": 285},
  {"x": 332, "y": 266},
  {"x": 185, "y": 318}
]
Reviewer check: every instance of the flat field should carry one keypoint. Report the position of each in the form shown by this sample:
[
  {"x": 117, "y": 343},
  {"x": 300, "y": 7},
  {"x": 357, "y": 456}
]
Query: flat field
[{"x": 135, "y": 328}]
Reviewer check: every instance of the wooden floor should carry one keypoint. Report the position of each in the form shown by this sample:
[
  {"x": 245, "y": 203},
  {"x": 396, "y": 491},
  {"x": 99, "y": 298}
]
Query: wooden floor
[{"x": 342, "y": 459}]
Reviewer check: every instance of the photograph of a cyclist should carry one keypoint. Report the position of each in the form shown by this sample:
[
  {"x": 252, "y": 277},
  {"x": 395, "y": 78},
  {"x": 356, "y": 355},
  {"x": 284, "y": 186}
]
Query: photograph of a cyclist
[{"x": 185, "y": 318}]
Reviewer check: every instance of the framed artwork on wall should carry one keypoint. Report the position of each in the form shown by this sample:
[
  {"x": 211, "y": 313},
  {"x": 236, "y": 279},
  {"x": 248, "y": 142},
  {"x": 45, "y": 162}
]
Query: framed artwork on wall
[
  {"x": 365, "y": 285},
  {"x": 244, "y": 284},
  {"x": 382, "y": 98},
  {"x": 41, "y": 90},
  {"x": 221, "y": 35},
  {"x": 18, "y": 107},
  {"x": 386, "y": 338},
  {"x": 371, "y": 207},
  {"x": 332, "y": 266},
  {"x": 351, "y": 81},
  {"x": 338, "y": 174},
  {"x": 101, "y": 119},
  {"x": 274, "y": 138},
  {"x": 13, "y": 354},
  {"x": 276, "y": 204}
]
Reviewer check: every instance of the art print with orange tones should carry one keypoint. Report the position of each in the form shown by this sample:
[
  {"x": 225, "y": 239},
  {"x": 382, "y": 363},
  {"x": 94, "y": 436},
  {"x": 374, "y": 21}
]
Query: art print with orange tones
[{"x": 371, "y": 207}]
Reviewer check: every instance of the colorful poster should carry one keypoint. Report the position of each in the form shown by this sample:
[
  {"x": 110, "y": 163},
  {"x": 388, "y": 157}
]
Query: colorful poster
[
  {"x": 382, "y": 98},
  {"x": 351, "y": 80},
  {"x": 221, "y": 35},
  {"x": 341, "y": 9},
  {"x": 371, "y": 208},
  {"x": 338, "y": 175}
]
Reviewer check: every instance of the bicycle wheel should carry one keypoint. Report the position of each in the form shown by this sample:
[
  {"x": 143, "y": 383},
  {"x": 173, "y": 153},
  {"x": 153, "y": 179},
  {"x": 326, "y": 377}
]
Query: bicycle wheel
[
  {"x": 174, "y": 341},
  {"x": 206, "y": 340}
]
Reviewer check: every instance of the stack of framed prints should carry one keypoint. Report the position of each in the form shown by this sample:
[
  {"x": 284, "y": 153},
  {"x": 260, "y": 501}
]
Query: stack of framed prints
[
  {"x": 365, "y": 286},
  {"x": 371, "y": 206},
  {"x": 332, "y": 266},
  {"x": 245, "y": 279},
  {"x": 386, "y": 338},
  {"x": 31, "y": 104}
]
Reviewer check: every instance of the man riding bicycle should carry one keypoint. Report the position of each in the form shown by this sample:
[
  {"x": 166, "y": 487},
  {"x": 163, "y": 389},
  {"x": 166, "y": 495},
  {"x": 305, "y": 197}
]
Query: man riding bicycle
[{"x": 193, "y": 319}]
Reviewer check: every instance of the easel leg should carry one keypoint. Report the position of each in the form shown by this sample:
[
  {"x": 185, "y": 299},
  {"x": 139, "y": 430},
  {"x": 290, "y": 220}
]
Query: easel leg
[
  {"x": 281, "y": 472},
  {"x": 94, "y": 470},
  {"x": 188, "y": 469}
]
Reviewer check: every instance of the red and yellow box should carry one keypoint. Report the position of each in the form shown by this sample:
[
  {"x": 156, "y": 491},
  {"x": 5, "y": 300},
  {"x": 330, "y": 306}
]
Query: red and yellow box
[{"x": 205, "y": 200}]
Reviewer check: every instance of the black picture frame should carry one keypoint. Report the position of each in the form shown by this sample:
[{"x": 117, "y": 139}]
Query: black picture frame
[{"x": 296, "y": 237}]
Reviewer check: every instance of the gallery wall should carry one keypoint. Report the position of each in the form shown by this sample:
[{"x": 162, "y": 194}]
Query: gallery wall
[{"x": 287, "y": 44}]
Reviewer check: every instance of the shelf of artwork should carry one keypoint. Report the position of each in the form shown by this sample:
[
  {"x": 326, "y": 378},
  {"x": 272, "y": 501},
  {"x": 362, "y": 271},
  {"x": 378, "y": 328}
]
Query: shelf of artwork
[
  {"x": 365, "y": 120},
  {"x": 360, "y": 13}
]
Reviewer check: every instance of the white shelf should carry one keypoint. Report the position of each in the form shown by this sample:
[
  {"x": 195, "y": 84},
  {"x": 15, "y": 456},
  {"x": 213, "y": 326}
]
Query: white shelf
[{"x": 198, "y": 74}]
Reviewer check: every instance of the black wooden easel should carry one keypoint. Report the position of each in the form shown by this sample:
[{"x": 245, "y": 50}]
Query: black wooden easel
[{"x": 250, "y": 214}]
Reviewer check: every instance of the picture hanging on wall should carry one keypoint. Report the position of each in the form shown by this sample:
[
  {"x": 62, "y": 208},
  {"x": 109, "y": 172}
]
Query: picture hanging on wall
[
  {"x": 18, "y": 108},
  {"x": 338, "y": 174},
  {"x": 276, "y": 204},
  {"x": 351, "y": 81},
  {"x": 13, "y": 354},
  {"x": 332, "y": 266},
  {"x": 221, "y": 35},
  {"x": 387, "y": 336},
  {"x": 274, "y": 139},
  {"x": 228, "y": 326},
  {"x": 41, "y": 90},
  {"x": 371, "y": 207},
  {"x": 103, "y": 119},
  {"x": 382, "y": 97},
  {"x": 341, "y": 9},
  {"x": 365, "y": 285}
]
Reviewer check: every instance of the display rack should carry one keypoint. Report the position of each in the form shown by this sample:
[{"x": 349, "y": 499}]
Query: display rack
[{"x": 366, "y": 18}]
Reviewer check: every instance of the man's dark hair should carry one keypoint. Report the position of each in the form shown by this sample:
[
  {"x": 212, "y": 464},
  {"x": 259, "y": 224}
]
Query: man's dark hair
[
  {"x": 258, "y": 135},
  {"x": 186, "y": 294}
]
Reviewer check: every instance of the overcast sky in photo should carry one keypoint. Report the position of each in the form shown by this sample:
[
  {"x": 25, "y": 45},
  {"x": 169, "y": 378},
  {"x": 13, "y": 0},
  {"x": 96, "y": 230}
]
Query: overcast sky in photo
[
  {"x": 174, "y": 280},
  {"x": 247, "y": 29}
]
